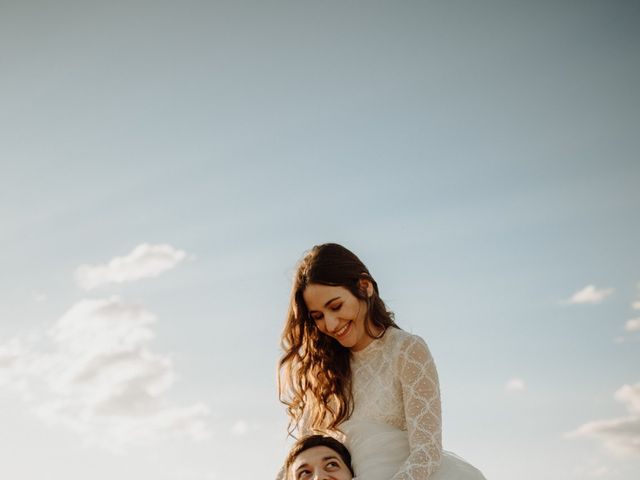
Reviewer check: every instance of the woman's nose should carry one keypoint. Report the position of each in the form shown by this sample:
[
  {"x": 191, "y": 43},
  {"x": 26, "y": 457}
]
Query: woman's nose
[{"x": 332, "y": 323}]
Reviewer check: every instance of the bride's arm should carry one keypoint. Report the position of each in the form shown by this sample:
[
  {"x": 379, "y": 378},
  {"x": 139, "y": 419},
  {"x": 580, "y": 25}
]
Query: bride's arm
[{"x": 421, "y": 397}]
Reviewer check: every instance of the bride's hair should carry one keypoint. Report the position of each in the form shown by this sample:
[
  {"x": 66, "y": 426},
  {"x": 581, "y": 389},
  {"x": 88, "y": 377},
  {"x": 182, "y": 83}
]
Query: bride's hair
[{"x": 314, "y": 374}]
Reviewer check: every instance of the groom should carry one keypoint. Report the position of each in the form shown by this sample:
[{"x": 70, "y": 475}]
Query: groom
[{"x": 317, "y": 457}]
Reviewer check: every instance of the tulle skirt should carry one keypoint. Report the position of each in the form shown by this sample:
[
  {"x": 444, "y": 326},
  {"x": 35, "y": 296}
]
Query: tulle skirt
[{"x": 378, "y": 451}]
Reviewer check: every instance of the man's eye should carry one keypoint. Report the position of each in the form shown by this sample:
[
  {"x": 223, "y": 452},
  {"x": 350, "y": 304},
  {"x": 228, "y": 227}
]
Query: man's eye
[{"x": 333, "y": 465}]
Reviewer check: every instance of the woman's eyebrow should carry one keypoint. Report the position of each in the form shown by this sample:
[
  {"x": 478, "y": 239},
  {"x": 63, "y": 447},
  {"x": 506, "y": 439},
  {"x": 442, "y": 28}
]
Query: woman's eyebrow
[{"x": 329, "y": 301}]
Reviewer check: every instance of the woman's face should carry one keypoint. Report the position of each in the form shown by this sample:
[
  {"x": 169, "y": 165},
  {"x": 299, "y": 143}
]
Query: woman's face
[
  {"x": 319, "y": 463},
  {"x": 339, "y": 314}
]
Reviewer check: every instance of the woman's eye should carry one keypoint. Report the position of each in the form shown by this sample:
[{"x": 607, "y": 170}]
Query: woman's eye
[
  {"x": 316, "y": 316},
  {"x": 336, "y": 307},
  {"x": 304, "y": 474}
]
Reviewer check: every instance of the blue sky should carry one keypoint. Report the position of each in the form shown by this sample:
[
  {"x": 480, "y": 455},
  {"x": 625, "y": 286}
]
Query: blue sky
[{"x": 481, "y": 158}]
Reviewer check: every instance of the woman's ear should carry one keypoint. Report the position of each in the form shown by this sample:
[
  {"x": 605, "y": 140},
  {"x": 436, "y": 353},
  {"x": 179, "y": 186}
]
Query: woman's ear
[{"x": 366, "y": 286}]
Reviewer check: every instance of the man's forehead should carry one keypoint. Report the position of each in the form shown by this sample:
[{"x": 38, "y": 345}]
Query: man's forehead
[{"x": 313, "y": 454}]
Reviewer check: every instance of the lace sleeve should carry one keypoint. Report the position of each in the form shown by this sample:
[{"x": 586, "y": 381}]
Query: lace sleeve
[{"x": 421, "y": 399}]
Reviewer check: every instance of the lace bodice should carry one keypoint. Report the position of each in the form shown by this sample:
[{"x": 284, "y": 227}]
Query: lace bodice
[{"x": 395, "y": 382}]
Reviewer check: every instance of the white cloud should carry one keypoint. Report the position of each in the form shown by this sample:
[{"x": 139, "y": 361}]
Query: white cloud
[
  {"x": 600, "y": 471},
  {"x": 39, "y": 297},
  {"x": 144, "y": 261},
  {"x": 632, "y": 325},
  {"x": 620, "y": 436},
  {"x": 590, "y": 294},
  {"x": 97, "y": 375},
  {"x": 628, "y": 339},
  {"x": 593, "y": 468},
  {"x": 240, "y": 428},
  {"x": 14, "y": 367},
  {"x": 629, "y": 395},
  {"x": 635, "y": 304},
  {"x": 515, "y": 385}
]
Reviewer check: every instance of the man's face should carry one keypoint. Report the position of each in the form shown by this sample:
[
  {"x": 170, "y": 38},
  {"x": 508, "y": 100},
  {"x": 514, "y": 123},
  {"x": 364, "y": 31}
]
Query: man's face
[{"x": 319, "y": 463}]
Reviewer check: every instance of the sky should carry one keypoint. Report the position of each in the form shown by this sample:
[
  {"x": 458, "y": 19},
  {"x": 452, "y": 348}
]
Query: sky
[{"x": 164, "y": 165}]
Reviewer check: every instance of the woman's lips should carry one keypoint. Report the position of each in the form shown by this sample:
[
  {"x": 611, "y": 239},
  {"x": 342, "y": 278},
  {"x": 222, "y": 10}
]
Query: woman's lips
[{"x": 343, "y": 331}]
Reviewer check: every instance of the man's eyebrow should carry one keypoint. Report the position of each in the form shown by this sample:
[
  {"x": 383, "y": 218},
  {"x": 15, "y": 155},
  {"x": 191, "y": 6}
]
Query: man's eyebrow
[
  {"x": 330, "y": 457},
  {"x": 324, "y": 459}
]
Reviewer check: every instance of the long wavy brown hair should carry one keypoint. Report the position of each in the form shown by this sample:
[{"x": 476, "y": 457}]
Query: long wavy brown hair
[{"x": 314, "y": 373}]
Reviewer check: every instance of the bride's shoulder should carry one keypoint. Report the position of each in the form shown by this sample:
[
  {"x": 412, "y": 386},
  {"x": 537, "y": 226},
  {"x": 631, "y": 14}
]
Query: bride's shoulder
[
  {"x": 400, "y": 342},
  {"x": 402, "y": 338},
  {"x": 406, "y": 344}
]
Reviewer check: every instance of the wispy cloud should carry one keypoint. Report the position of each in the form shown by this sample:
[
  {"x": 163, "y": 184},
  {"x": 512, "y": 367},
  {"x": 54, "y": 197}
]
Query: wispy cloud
[
  {"x": 620, "y": 436},
  {"x": 515, "y": 385},
  {"x": 39, "y": 297},
  {"x": 144, "y": 261},
  {"x": 589, "y": 295},
  {"x": 636, "y": 303},
  {"x": 632, "y": 325},
  {"x": 95, "y": 373},
  {"x": 593, "y": 469},
  {"x": 14, "y": 367},
  {"x": 241, "y": 427},
  {"x": 629, "y": 395},
  {"x": 600, "y": 471}
]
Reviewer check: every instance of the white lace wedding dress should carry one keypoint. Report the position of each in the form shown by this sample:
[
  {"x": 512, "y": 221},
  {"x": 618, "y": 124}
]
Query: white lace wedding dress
[{"x": 394, "y": 432}]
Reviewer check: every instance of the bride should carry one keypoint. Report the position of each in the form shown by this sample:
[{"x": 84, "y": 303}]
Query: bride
[{"x": 350, "y": 372}]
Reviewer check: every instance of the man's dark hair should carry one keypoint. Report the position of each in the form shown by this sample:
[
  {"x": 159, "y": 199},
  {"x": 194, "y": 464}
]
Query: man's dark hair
[{"x": 310, "y": 441}]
